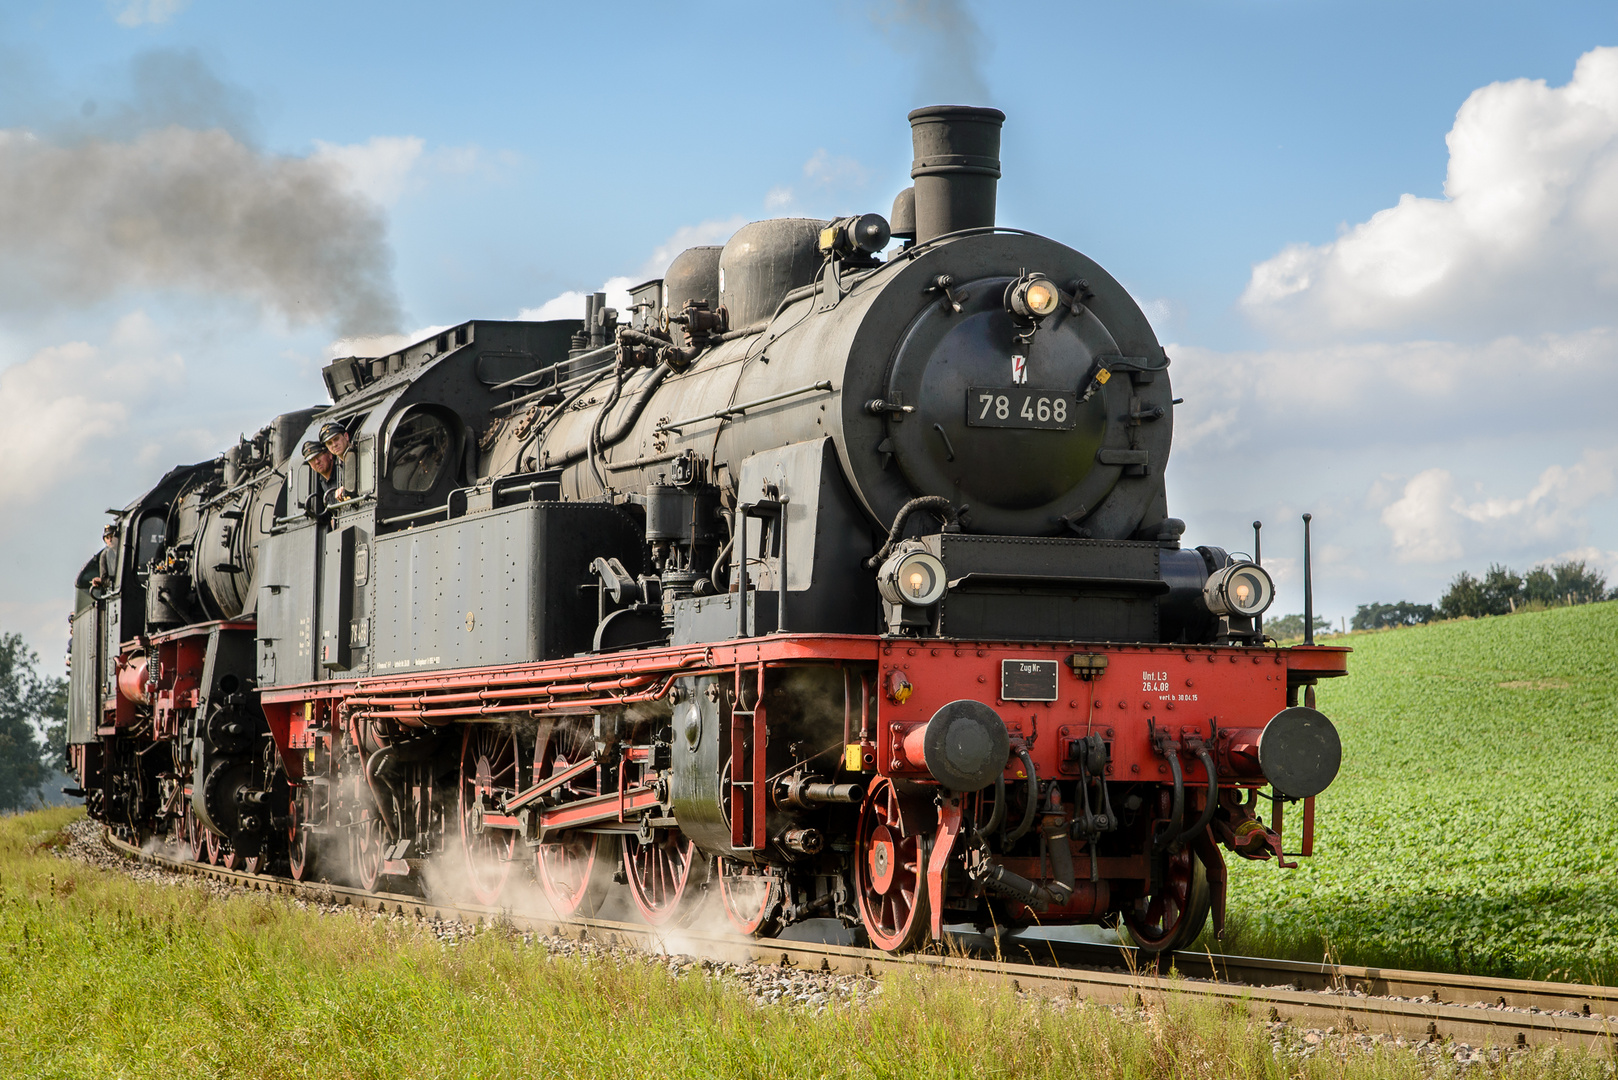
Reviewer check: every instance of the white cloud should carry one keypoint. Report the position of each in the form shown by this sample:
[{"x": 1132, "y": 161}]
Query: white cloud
[
  {"x": 140, "y": 12},
  {"x": 64, "y": 400},
  {"x": 712, "y": 231},
  {"x": 1434, "y": 522},
  {"x": 827, "y": 170},
  {"x": 380, "y": 344},
  {"x": 570, "y": 305},
  {"x": 1422, "y": 521},
  {"x": 778, "y": 197},
  {"x": 1525, "y": 236},
  {"x": 382, "y": 168},
  {"x": 377, "y": 168},
  {"x": 1596, "y": 558},
  {"x": 1426, "y": 392}
]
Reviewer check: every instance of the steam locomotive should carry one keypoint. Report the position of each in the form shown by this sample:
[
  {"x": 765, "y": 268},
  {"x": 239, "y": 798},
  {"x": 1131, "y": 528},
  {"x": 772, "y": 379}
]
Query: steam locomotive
[{"x": 831, "y": 579}]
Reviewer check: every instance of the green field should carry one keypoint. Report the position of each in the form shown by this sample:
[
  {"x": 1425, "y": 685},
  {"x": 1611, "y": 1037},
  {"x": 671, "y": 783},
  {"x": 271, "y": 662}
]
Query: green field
[{"x": 1474, "y": 826}]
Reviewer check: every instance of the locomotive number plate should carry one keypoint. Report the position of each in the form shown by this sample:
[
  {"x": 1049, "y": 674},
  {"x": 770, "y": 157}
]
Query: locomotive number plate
[
  {"x": 1021, "y": 407},
  {"x": 1028, "y": 680}
]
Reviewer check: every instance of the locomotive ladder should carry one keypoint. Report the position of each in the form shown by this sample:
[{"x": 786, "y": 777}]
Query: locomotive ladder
[{"x": 748, "y": 738}]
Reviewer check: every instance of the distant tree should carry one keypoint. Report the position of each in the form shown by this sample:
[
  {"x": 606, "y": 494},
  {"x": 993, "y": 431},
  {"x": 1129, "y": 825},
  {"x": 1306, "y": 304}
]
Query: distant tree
[
  {"x": 28, "y": 704},
  {"x": 1500, "y": 592},
  {"x": 1502, "y": 589},
  {"x": 1464, "y": 598},
  {"x": 55, "y": 721},
  {"x": 1286, "y": 627},
  {"x": 1565, "y": 582},
  {"x": 1386, "y": 616}
]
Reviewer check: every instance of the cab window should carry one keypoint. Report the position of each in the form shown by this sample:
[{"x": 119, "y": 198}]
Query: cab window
[
  {"x": 149, "y": 538},
  {"x": 417, "y": 452}
]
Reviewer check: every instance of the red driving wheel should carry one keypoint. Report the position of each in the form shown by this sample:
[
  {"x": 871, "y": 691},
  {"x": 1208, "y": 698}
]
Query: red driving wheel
[
  {"x": 370, "y": 838},
  {"x": 301, "y": 843},
  {"x": 751, "y": 896},
  {"x": 488, "y": 775},
  {"x": 196, "y": 837},
  {"x": 1173, "y": 916},
  {"x": 661, "y": 879},
  {"x": 575, "y": 868},
  {"x": 890, "y": 879}
]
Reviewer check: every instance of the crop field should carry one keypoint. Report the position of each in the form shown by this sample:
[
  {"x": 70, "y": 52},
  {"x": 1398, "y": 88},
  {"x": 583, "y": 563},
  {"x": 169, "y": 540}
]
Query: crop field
[
  {"x": 102, "y": 975},
  {"x": 1474, "y": 826}
]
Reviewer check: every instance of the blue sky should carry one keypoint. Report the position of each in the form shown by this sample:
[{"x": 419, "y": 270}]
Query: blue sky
[{"x": 1431, "y": 381}]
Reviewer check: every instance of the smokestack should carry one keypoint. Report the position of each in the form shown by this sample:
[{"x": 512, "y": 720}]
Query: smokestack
[{"x": 956, "y": 168}]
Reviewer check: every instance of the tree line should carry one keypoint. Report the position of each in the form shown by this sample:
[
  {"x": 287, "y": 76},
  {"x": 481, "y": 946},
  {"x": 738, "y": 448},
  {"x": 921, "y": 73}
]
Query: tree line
[
  {"x": 33, "y": 725},
  {"x": 1500, "y": 591}
]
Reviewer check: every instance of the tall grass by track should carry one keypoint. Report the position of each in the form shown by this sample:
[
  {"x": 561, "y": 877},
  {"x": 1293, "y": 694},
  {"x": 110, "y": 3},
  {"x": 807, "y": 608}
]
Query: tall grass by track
[
  {"x": 1474, "y": 826},
  {"x": 102, "y": 976}
]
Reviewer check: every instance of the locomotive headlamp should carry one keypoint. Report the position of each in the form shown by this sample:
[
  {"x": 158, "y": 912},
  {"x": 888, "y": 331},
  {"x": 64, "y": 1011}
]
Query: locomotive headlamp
[
  {"x": 913, "y": 578},
  {"x": 1242, "y": 588},
  {"x": 1033, "y": 297}
]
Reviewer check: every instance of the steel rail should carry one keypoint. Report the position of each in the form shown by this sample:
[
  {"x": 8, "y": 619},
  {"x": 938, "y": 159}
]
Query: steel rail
[{"x": 1316, "y": 995}]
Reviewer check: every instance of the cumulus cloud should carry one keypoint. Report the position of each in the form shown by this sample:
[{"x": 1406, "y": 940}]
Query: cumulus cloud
[
  {"x": 1412, "y": 392},
  {"x": 1433, "y": 521},
  {"x": 947, "y": 43},
  {"x": 67, "y": 397},
  {"x": 570, "y": 305},
  {"x": 1422, "y": 521},
  {"x": 712, "y": 231},
  {"x": 381, "y": 344},
  {"x": 377, "y": 168},
  {"x": 382, "y": 168},
  {"x": 1525, "y": 236},
  {"x": 825, "y": 169},
  {"x": 141, "y": 12},
  {"x": 194, "y": 210}
]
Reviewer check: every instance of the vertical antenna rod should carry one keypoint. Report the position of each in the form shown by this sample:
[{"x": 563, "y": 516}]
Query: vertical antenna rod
[
  {"x": 1308, "y": 588},
  {"x": 1258, "y": 560}
]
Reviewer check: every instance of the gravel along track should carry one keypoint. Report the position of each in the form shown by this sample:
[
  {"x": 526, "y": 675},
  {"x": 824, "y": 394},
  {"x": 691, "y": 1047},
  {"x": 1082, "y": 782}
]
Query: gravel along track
[{"x": 1309, "y": 1009}]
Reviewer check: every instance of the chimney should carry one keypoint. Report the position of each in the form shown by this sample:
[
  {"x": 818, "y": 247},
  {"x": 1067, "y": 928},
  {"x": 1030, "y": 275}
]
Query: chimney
[{"x": 956, "y": 168}]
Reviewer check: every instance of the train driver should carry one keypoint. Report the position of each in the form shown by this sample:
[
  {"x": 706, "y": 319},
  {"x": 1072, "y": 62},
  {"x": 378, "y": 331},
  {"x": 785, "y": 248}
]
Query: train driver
[
  {"x": 107, "y": 561},
  {"x": 324, "y": 490},
  {"x": 337, "y": 440}
]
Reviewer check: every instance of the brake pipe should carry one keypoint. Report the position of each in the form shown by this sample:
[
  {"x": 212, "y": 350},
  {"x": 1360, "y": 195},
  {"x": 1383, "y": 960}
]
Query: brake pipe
[
  {"x": 1177, "y": 814},
  {"x": 1211, "y": 804},
  {"x": 1033, "y": 798}
]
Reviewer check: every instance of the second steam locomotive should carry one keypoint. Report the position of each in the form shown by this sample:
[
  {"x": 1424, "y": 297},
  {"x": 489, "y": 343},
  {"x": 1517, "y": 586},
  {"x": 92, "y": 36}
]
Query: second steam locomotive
[{"x": 831, "y": 579}]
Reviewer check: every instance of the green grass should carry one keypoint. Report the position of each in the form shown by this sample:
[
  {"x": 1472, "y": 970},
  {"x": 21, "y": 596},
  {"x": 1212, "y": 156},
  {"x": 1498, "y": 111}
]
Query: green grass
[
  {"x": 102, "y": 976},
  {"x": 1474, "y": 826}
]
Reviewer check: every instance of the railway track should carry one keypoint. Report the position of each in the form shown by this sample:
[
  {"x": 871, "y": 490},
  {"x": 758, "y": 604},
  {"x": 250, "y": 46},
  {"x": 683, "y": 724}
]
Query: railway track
[{"x": 1414, "y": 1005}]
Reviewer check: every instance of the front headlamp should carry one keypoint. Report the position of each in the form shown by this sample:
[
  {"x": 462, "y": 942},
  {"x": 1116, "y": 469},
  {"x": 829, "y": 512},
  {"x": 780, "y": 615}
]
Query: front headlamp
[
  {"x": 1033, "y": 297},
  {"x": 913, "y": 578},
  {"x": 1243, "y": 589}
]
